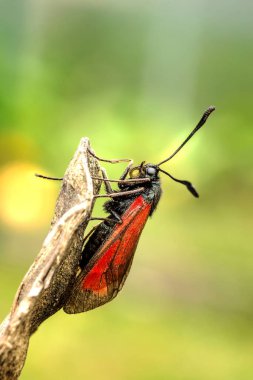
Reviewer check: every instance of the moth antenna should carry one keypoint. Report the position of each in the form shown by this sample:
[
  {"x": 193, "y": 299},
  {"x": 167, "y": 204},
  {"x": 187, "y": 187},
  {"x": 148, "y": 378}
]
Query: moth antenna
[
  {"x": 202, "y": 121},
  {"x": 188, "y": 184}
]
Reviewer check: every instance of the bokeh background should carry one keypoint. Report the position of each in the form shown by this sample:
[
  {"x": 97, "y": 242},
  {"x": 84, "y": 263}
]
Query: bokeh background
[{"x": 135, "y": 77}]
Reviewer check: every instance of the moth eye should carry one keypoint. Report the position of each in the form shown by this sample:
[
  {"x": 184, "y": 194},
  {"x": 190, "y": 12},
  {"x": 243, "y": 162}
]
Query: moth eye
[
  {"x": 134, "y": 173},
  {"x": 151, "y": 171}
]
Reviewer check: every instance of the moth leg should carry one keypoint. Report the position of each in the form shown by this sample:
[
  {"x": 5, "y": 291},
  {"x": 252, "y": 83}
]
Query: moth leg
[
  {"x": 124, "y": 181},
  {"x": 96, "y": 218},
  {"x": 126, "y": 171},
  {"x": 109, "y": 191},
  {"x": 124, "y": 175},
  {"x": 116, "y": 218},
  {"x": 89, "y": 233},
  {"x": 120, "y": 193},
  {"x": 108, "y": 187},
  {"x": 114, "y": 161}
]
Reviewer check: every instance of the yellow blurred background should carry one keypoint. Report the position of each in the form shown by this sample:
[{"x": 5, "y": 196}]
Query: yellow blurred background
[{"x": 135, "y": 78}]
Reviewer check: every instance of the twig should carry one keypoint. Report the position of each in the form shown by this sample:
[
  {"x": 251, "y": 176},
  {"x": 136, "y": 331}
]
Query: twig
[{"x": 46, "y": 285}]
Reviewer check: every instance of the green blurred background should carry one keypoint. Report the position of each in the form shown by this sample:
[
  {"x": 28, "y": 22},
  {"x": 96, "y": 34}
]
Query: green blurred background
[{"x": 135, "y": 77}]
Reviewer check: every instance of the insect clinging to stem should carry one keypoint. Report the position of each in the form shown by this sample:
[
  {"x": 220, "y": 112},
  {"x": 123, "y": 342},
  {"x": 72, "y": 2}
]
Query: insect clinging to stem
[
  {"x": 108, "y": 254},
  {"x": 109, "y": 250}
]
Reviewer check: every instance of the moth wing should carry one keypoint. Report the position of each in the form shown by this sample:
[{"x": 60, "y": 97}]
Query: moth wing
[{"x": 105, "y": 274}]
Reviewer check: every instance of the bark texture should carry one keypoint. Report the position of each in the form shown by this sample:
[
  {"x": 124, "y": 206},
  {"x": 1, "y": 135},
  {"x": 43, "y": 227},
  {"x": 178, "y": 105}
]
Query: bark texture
[{"x": 46, "y": 285}]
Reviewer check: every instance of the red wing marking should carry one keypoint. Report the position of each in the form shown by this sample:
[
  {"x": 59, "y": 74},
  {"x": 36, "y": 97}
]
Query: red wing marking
[
  {"x": 94, "y": 279},
  {"x": 105, "y": 274}
]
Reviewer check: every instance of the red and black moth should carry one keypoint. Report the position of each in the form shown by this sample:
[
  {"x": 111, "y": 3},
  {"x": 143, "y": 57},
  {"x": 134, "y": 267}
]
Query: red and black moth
[{"x": 108, "y": 253}]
